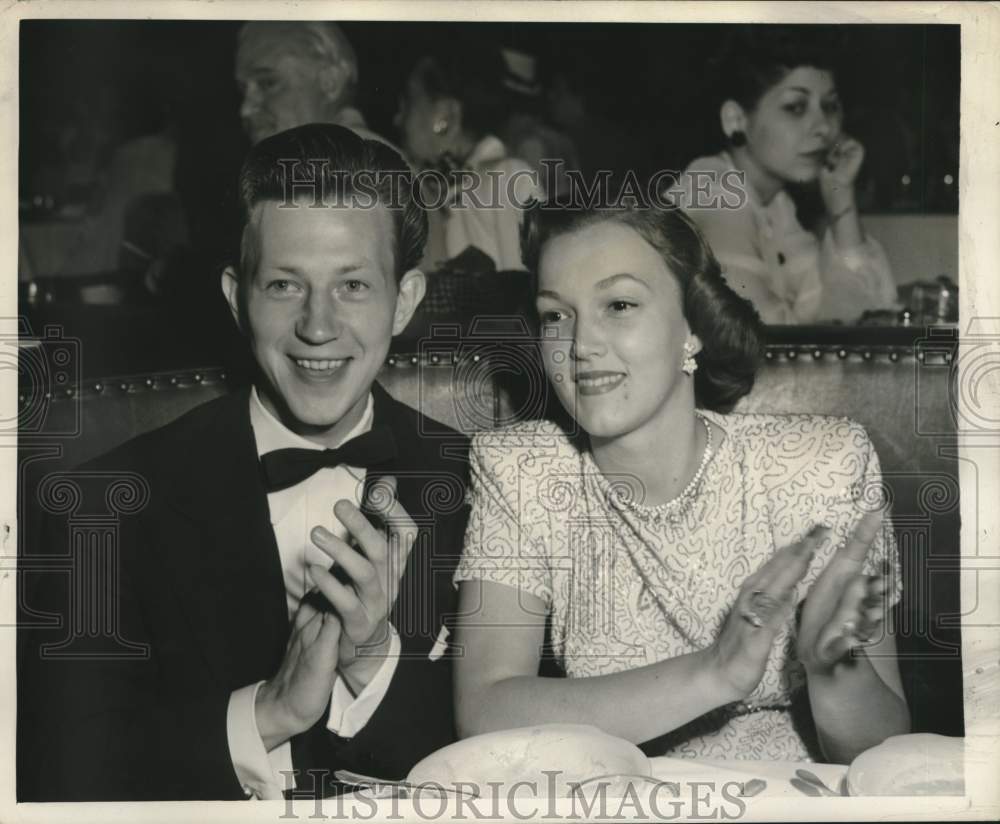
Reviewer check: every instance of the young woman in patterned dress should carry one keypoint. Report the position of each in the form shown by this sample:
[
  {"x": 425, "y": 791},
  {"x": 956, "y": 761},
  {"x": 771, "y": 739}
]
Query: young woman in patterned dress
[{"x": 666, "y": 540}]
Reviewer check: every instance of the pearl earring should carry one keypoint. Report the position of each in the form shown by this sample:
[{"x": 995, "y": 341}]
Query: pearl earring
[
  {"x": 439, "y": 126},
  {"x": 689, "y": 364}
]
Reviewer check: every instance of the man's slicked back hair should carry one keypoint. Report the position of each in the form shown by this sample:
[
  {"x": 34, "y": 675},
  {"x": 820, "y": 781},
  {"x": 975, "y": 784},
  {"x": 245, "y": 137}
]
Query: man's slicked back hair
[{"x": 332, "y": 167}]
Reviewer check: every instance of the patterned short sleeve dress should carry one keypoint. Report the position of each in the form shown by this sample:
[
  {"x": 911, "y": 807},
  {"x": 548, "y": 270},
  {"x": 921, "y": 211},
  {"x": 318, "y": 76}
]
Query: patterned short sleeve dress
[{"x": 627, "y": 585}]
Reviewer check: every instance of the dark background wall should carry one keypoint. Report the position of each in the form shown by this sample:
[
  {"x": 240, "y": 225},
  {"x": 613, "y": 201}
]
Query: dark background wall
[{"x": 900, "y": 85}]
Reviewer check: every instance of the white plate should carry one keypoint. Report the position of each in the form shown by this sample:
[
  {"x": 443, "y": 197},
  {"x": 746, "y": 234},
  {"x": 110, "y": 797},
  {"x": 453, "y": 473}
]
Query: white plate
[
  {"x": 918, "y": 764},
  {"x": 569, "y": 753}
]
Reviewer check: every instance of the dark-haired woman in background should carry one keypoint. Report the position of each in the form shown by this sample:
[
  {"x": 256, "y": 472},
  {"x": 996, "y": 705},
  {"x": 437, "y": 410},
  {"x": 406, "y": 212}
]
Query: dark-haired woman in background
[
  {"x": 450, "y": 110},
  {"x": 782, "y": 120},
  {"x": 664, "y": 538}
]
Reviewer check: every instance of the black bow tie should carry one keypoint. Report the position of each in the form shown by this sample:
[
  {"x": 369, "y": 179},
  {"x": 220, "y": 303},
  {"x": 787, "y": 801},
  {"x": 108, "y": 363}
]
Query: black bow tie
[{"x": 286, "y": 467}]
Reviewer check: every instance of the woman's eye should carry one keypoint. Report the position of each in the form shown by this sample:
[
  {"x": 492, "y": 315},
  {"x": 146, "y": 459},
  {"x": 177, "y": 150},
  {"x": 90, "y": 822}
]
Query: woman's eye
[
  {"x": 621, "y": 306},
  {"x": 832, "y": 107},
  {"x": 798, "y": 108},
  {"x": 551, "y": 316}
]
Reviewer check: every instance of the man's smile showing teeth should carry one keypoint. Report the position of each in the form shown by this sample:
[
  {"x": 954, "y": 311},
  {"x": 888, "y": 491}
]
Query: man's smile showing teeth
[{"x": 319, "y": 365}]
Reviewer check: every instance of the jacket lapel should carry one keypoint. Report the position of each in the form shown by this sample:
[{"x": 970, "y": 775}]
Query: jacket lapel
[
  {"x": 225, "y": 556},
  {"x": 423, "y": 480}
]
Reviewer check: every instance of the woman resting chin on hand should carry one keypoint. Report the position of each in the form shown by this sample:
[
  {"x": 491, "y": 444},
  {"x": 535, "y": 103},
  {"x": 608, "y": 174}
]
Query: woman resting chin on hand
[
  {"x": 668, "y": 542},
  {"x": 782, "y": 119}
]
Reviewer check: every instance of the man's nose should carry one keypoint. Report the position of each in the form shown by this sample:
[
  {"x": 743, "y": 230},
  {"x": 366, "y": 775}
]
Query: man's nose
[
  {"x": 319, "y": 321},
  {"x": 250, "y": 103}
]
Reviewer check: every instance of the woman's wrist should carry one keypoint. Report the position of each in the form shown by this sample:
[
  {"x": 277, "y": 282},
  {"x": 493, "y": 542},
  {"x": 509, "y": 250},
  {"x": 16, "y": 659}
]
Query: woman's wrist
[
  {"x": 836, "y": 216},
  {"x": 714, "y": 681}
]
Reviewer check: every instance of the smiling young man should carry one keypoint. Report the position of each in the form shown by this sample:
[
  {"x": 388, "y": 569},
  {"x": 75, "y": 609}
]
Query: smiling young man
[{"x": 287, "y": 634}]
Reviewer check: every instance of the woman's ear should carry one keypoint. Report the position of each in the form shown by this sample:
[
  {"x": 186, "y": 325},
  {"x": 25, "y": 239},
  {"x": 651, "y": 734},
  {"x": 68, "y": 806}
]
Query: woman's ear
[
  {"x": 732, "y": 118},
  {"x": 696, "y": 344},
  {"x": 447, "y": 120},
  {"x": 411, "y": 291}
]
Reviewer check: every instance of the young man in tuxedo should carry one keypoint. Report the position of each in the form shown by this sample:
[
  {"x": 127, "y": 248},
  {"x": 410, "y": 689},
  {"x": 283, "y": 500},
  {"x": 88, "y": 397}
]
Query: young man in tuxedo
[{"x": 287, "y": 579}]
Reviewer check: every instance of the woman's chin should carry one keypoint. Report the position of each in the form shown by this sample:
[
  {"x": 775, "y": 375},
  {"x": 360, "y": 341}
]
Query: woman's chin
[{"x": 804, "y": 175}]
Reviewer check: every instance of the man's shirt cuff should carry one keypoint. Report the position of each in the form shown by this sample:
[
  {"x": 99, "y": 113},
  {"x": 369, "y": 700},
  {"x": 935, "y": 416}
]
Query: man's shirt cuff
[
  {"x": 348, "y": 715},
  {"x": 262, "y": 774}
]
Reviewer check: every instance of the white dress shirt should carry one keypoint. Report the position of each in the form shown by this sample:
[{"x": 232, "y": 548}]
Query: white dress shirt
[{"x": 294, "y": 512}]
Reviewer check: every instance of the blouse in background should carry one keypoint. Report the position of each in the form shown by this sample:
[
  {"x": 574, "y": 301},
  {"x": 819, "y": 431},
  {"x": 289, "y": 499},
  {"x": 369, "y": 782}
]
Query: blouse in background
[
  {"x": 768, "y": 258},
  {"x": 488, "y": 213}
]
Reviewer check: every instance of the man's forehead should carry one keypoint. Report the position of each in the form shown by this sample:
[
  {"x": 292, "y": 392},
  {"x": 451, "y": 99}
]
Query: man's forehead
[
  {"x": 367, "y": 229},
  {"x": 272, "y": 42}
]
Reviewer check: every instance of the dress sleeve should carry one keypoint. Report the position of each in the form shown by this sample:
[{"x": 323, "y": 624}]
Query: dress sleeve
[
  {"x": 848, "y": 466},
  {"x": 499, "y": 544},
  {"x": 883, "y": 555},
  {"x": 855, "y": 280}
]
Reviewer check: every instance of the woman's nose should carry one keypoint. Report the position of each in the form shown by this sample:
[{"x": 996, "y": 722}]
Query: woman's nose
[
  {"x": 587, "y": 342},
  {"x": 824, "y": 124},
  {"x": 319, "y": 321}
]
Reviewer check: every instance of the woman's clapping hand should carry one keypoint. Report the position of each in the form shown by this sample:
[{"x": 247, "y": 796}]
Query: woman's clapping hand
[
  {"x": 844, "y": 608},
  {"x": 765, "y": 601}
]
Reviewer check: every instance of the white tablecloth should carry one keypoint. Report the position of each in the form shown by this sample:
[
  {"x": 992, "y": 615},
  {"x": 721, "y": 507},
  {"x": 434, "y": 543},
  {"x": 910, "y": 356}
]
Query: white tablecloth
[{"x": 777, "y": 774}]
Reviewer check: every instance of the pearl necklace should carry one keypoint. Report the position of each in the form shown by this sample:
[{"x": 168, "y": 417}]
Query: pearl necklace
[{"x": 676, "y": 506}]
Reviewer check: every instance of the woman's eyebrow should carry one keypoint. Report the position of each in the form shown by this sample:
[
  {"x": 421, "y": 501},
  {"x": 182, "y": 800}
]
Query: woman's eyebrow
[
  {"x": 608, "y": 282},
  {"x": 547, "y": 293}
]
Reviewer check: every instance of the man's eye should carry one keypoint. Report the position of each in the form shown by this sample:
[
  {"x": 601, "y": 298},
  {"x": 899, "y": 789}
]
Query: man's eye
[
  {"x": 281, "y": 286},
  {"x": 266, "y": 84},
  {"x": 356, "y": 286}
]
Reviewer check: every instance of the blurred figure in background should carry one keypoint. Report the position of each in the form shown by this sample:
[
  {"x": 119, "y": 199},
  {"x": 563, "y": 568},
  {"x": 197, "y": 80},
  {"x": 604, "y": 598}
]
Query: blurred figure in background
[
  {"x": 291, "y": 73},
  {"x": 783, "y": 123},
  {"x": 604, "y": 144},
  {"x": 451, "y": 109},
  {"x": 528, "y": 131}
]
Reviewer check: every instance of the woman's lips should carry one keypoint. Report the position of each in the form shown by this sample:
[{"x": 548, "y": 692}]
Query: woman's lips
[
  {"x": 597, "y": 383},
  {"x": 817, "y": 156}
]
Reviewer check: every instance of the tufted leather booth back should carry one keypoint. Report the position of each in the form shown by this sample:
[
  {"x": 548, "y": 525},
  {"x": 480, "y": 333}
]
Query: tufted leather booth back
[{"x": 903, "y": 396}]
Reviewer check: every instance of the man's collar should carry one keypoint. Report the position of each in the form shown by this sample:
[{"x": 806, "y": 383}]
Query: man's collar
[
  {"x": 350, "y": 118},
  {"x": 271, "y": 434}
]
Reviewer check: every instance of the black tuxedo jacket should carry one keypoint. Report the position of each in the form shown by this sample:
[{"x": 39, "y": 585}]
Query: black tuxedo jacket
[{"x": 126, "y": 697}]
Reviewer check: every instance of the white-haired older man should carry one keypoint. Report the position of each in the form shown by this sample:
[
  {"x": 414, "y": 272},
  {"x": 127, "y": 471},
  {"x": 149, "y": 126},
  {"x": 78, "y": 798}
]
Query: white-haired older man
[{"x": 295, "y": 72}]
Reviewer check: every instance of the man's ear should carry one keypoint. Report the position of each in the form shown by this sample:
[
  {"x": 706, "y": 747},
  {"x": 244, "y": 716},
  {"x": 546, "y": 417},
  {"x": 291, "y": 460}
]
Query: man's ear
[
  {"x": 331, "y": 81},
  {"x": 732, "y": 118},
  {"x": 412, "y": 288},
  {"x": 231, "y": 289}
]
